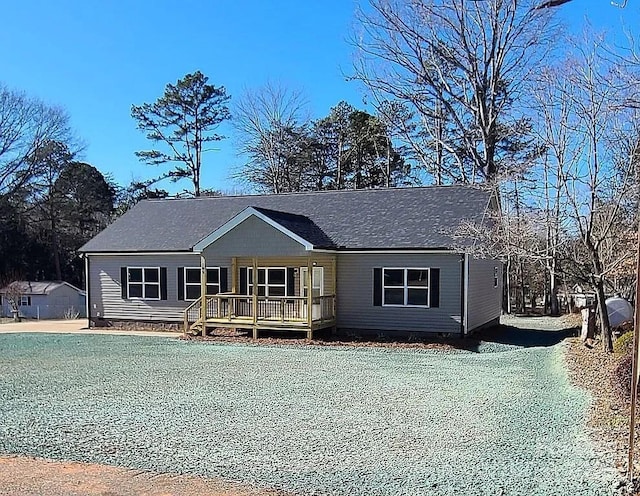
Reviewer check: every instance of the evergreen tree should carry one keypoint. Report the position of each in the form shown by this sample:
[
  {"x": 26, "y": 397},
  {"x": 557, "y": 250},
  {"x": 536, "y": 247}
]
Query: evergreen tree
[{"x": 184, "y": 119}]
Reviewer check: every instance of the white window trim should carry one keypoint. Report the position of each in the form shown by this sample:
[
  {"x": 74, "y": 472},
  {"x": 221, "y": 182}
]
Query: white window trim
[
  {"x": 143, "y": 297},
  {"x": 266, "y": 281},
  {"x": 303, "y": 280},
  {"x": 406, "y": 287},
  {"x": 25, "y": 301},
  {"x": 199, "y": 283}
]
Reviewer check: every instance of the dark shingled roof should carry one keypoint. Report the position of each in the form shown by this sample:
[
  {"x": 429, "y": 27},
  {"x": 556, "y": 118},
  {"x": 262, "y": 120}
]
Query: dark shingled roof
[
  {"x": 300, "y": 225},
  {"x": 397, "y": 218}
]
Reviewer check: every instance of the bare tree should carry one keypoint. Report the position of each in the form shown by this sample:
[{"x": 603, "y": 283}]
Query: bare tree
[
  {"x": 515, "y": 235},
  {"x": 605, "y": 132},
  {"x": 13, "y": 292},
  {"x": 49, "y": 161},
  {"x": 552, "y": 104},
  {"x": 269, "y": 124},
  {"x": 459, "y": 69},
  {"x": 26, "y": 124}
]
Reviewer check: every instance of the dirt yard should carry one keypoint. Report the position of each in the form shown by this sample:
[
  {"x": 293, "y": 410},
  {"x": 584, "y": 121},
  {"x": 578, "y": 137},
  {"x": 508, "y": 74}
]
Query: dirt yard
[
  {"x": 27, "y": 476},
  {"x": 608, "y": 416}
]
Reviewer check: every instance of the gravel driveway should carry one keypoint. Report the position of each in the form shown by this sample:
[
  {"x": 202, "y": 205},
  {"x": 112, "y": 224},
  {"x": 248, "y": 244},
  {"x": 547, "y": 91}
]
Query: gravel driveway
[{"x": 309, "y": 420}]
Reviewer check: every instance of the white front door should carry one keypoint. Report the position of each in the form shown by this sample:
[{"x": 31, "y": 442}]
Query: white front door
[{"x": 317, "y": 283}]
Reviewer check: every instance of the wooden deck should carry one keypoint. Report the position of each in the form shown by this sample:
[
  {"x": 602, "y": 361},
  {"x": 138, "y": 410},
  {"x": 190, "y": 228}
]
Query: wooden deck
[{"x": 261, "y": 313}]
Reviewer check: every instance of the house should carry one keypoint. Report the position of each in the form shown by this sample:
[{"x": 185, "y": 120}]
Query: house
[
  {"x": 43, "y": 300},
  {"x": 379, "y": 260}
]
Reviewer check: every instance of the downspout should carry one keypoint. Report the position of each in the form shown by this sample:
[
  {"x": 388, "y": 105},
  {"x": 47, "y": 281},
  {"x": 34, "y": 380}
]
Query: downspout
[
  {"x": 86, "y": 289},
  {"x": 203, "y": 293},
  {"x": 465, "y": 295}
]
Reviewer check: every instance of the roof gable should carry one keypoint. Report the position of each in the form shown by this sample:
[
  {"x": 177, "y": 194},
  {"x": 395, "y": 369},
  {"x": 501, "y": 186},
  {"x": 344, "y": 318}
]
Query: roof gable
[{"x": 266, "y": 216}]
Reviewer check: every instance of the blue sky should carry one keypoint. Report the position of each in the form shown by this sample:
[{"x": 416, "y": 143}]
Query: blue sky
[{"x": 96, "y": 59}]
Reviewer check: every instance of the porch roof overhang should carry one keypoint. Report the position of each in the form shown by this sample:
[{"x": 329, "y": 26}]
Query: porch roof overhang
[{"x": 275, "y": 220}]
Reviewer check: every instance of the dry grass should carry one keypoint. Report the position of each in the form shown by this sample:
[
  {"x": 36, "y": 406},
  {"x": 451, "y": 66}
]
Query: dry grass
[{"x": 608, "y": 417}]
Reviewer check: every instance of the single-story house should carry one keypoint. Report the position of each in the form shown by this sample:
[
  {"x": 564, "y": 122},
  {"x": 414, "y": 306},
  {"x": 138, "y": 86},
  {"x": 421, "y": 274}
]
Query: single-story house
[
  {"x": 364, "y": 260},
  {"x": 43, "y": 300}
]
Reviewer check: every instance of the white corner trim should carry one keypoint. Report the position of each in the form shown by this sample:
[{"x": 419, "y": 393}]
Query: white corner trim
[
  {"x": 465, "y": 317},
  {"x": 241, "y": 217},
  {"x": 87, "y": 303}
]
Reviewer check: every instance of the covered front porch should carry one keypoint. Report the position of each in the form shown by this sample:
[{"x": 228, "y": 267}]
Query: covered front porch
[{"x": 269, "y": 293}]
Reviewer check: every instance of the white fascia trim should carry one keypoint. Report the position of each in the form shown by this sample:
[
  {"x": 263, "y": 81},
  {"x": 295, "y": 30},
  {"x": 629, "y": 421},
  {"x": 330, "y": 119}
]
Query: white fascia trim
[
  {"x": 137, "y": 253},
  {"x": 241, "y": 217},
  {"x": 72, "y": 286}
]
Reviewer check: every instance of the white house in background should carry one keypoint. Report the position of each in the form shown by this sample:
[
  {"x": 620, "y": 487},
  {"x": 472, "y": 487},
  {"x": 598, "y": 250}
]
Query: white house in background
[{"x": 45, "y": 300}]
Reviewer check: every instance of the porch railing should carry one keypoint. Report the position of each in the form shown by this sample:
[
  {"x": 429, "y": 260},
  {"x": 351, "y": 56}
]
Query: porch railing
[{"x": 240, "y": 308}]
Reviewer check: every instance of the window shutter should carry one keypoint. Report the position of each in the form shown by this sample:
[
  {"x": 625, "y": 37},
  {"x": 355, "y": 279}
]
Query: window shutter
[
  {"x": 434, "y": 288},
  {"x": 123, "y": 283},
  {"x": 180, "y": 283},
  {"x": 243, "y": 281},
  {"x": 163, "y": 283},
  {"x": 223, "y": 280},
  {"x": 291, "y": 281},
  {"x": 377, "y": 287}
]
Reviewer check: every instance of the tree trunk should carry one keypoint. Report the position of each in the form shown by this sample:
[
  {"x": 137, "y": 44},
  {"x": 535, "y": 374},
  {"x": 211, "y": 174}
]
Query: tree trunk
[
  {"x": 523, "y": 305},
  {"x": 603, "y": 316},
  {"x": 553, "y": 293},
  {"x": 55, "y": 246},
  {"x": 506, "y": 291}
]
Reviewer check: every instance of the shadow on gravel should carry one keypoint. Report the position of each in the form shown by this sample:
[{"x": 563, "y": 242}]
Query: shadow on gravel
[
  {"x": 522, "y": 337},
  {"x": 526, "y": 333}
]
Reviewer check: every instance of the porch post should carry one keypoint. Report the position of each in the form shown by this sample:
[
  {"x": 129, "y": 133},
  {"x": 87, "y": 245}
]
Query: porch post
[
  {"x": 203, "y": 293},
  {"x": 334, "y": 266},
  {"x": 234, "y": 275},
  {"x": 254, "y": 292},
  {"x": 309, "y": 298}
]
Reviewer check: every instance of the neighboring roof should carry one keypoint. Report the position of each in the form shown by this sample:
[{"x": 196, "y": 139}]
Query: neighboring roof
[
  {"x": 41, "y": 287},
  {"x": 396, "y": 218}
]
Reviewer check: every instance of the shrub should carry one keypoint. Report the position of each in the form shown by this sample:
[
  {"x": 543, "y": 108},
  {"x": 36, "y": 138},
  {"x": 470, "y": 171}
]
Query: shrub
[
  {"x": 624, "y": 344},
  {"x": 71, "y": 314}
]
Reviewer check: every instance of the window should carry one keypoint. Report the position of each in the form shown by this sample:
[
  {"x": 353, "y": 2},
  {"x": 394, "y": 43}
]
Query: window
[
  {"x": 192, "y": 282},
  {"x": 143, "y": 283},
  {"x": 405, "y": 287},
  {"x": 25, "y": 301},
  {"x": 272, "y": 281},
  {"x": 495, "y": 277},
  {"x": 317, "y": 282}
]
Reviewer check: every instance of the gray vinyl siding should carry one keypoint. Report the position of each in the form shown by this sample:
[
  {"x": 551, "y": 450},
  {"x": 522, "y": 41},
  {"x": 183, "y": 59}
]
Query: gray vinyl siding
[
  {"x": 253, "y": 237},
  {"x": 355, "y": 307},
  {"x": 483, "y": 298},
  {"x": 105, "y": 286}
]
